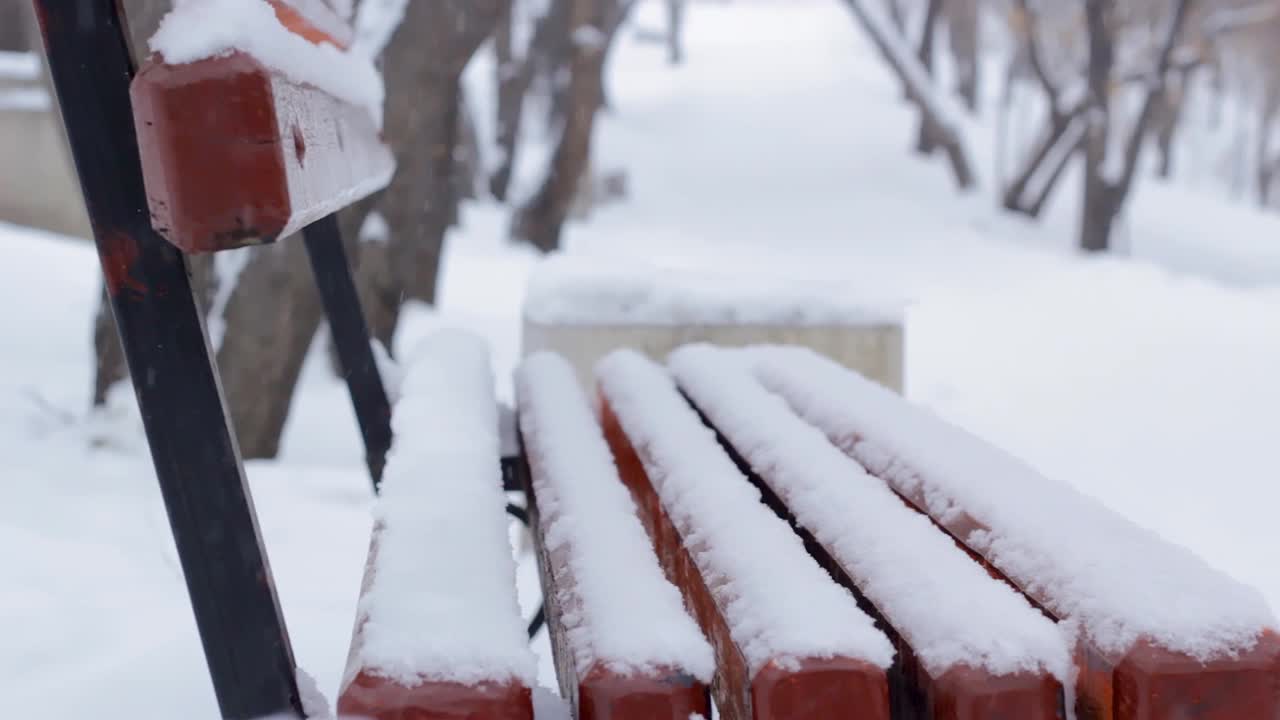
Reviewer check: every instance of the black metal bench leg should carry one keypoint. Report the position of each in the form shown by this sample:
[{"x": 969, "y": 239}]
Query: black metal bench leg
[
  {"x": 194, "y": 452},
  {"x": 351, "y": 339}
]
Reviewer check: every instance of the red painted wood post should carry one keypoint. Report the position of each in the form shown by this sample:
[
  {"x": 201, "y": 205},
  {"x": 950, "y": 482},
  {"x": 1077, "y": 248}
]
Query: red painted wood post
[{"x": 235, "y": 153}]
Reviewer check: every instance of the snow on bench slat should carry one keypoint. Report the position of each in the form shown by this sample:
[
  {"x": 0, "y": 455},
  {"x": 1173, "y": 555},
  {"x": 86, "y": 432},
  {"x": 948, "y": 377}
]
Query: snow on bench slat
[
  {"x": 627, "y": 616},
  {"x": 200, "y": 29},
  {"x": 1119, "y": 582},
  {"x": 779, "y": 604},
  {"x": 900, "y": 561},
  {"x": 439, "y": 600}
]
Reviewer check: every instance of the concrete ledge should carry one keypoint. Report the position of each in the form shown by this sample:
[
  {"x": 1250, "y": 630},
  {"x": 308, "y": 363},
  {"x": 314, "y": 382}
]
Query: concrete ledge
[
  {"x": 876, "y": 350},
  {"x": 38, "y": 187}
]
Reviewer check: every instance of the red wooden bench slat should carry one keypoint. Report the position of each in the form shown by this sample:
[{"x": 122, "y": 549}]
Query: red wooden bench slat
[
  {"x": 602, "y": 693},
  {"x": 235, "y": 154},
  {"x": 553, "y": 410},
  {"x": 1003, "y": 654},
  {"x": 435, "y": 638},
  {"x": 369, "y": 694},
  {"x": 816, "y": 688},
  {"x": 1146, "y": 682}
]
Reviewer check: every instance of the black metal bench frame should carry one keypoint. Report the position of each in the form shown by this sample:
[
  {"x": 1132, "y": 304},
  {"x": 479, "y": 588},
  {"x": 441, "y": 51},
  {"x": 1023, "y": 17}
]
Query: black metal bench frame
[{"x": 193, "y": 448}]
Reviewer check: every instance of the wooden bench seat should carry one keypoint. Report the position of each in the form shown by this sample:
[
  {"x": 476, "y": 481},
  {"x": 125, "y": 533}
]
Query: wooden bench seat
[
  {"x": 251, "y": 134},
  {"x": 790, "y": 643},
  {"x": 625, "y": 647},
  {"x": 968, "y": 645},
  {"x": 439, "y": 632},
  {"x": 1162, "y": 636}
]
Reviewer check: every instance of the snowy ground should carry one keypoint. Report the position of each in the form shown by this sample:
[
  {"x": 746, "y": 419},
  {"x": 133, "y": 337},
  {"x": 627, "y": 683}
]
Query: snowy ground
[{"x": 779, "y": 150}]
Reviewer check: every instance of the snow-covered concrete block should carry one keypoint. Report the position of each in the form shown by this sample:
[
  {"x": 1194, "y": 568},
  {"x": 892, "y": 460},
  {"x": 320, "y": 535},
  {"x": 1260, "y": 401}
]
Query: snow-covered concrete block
[
  {"x": 584, "y": 310},
  {"x": 439, "y": 631},
  {"x": 625, "y": 647},
  {"x": 968, "y": 645},
  {"x": 790, "y": 642},
  {"x": 1161, "y": 635}
]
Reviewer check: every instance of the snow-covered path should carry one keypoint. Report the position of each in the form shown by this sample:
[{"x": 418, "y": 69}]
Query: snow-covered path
[{"x": 779, "y": 150}]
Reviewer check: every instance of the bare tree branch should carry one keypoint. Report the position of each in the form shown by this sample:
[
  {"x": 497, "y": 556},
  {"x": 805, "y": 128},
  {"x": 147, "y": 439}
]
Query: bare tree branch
[
  {"x": 1155, "y": 96},
  {"x": 920, "y": 89},
  {"x": 1229, "y": 20},
  {"x": 1035, "y": 54}
]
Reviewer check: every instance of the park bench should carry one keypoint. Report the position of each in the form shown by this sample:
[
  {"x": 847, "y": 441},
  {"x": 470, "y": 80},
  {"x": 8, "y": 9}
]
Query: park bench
[{"x": 680, "y": 540}]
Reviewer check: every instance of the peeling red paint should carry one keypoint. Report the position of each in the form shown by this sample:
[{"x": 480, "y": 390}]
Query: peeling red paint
[{"x": 119, "y": 253}]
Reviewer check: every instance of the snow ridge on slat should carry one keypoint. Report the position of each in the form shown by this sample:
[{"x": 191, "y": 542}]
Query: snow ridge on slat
[
  {"x": 779, "y": 604},
  {"x": 626, "y": 614},
  {"x": 946, "y": 606},
  {"x": 440, "y": 600},
  {"x": 1086, "y": 563}
]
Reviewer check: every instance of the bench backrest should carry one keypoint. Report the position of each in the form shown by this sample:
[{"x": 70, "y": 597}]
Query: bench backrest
[{"x": 253, "y": 126}]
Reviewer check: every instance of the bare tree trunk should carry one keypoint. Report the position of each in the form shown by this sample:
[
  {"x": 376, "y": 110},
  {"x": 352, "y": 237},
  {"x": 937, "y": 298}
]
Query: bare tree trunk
[
  {"x": 1266, "y": 128},
  {"x": 548, "y": 49},
  {"x": 1098, "y": 212},
  {"x": 470, "y": 174},
  {"x": 558, "y": 57},
  {"x": 423, "y": 64},
  {"x": 675, "y": 31},
  {"x": 1168, "y": 117},
  {"x": 109, "y": 367},
  {"x": 1045, "y": 166},
  {"x": 13, "y": 24},
  {"x": 1108, "y": 182},
  {"x": 511, "y": 88},
  {"x": 1266, "y": 181},
  {"x": 909, "y": 71},
  {"x": 963, "y": 29},
  {"x": 926, "y": 142},
  {"x": 898, "y": 15},
  {"x": 271, "y": 318},
  {"x": 1064, "y": 134},
  {"x": 594, "y": 24}
]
